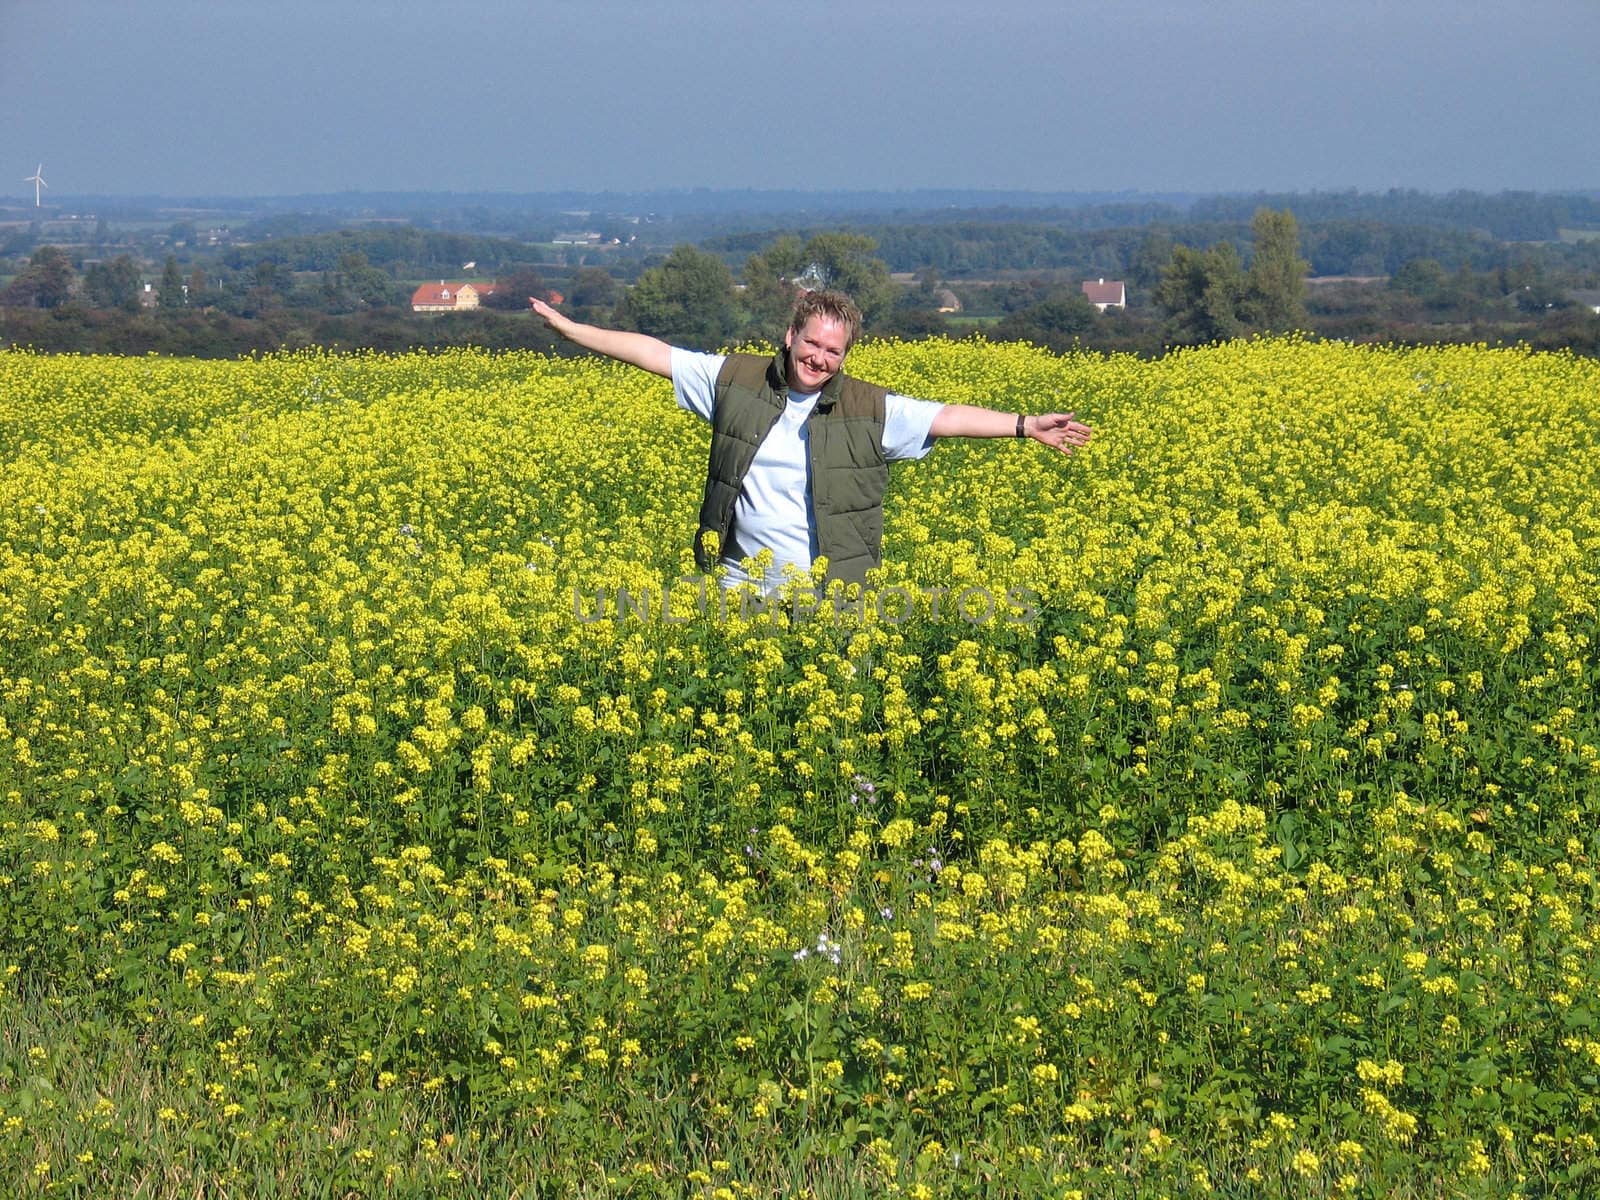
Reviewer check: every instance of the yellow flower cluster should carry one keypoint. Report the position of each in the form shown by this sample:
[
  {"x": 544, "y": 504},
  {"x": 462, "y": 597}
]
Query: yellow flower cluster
[{"x": 375, "y": 775}]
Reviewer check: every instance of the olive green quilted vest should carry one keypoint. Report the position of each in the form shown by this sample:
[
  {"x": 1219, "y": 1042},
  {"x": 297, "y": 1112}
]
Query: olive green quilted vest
[{"x": 848, "y": 471}]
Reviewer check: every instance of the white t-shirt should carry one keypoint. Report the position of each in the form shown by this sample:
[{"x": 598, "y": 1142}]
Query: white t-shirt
[{"x": 773, "y": 511}]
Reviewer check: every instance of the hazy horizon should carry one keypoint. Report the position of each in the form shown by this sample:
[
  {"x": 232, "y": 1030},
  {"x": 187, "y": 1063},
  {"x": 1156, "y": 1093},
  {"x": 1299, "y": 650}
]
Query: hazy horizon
[
  {"x": 777, "y": 201},
  {"x": 184, "y": 98}
]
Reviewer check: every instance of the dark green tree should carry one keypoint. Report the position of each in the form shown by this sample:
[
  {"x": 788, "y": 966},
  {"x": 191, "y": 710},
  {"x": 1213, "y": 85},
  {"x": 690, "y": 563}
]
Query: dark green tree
[
  {"x": 112, "y": 285},
  {"x": 845, "y": 262},
  {"x": 1423, "y": 278},
  {"x": 511, "y": 292},
  {"x": 1275, "y": 287},
  {"x": 169, "y": 292},
  {"x": 1200, "y": 292},
  {"x": 1153, "y": 253},
  {"x": 1014, "y": 295},
  {"x": 911, "y": 324},
  {"x": 46, "y": 282},
  {"x": 688, "y": 300},
  {"x": 769, "y": 287},
  {"x": 841, "y": 261},
  {"x": 1057, "y": 322},
  {"x": 593, "y": 288},
  {"x": 371, "y": 286},
  {"x": 201, "y": 294},
  {"x": 916, "y": 312}
]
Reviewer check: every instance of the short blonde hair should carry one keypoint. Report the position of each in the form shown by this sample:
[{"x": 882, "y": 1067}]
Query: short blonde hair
[{"x": 830, "y": 305}]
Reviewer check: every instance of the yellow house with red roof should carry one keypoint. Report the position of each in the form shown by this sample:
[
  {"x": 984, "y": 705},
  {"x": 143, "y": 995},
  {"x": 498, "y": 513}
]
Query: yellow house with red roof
[{"x": 445, "y": 297}]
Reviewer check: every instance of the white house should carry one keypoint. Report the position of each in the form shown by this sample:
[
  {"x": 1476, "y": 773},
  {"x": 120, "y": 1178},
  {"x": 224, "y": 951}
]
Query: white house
[{"x": 1104, "y": 294}]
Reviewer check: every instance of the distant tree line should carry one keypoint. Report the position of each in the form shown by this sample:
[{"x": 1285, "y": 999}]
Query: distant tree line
[
  {"x": 1506, "y": 217},
  {"x": 294, "y": 283},
  {"x": 1334, "y": 247},
  {"x": 415, "y": 251}
]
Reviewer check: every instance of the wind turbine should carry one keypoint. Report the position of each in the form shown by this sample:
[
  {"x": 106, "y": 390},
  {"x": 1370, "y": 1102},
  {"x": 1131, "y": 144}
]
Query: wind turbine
[{"x": 37, "y": 179}]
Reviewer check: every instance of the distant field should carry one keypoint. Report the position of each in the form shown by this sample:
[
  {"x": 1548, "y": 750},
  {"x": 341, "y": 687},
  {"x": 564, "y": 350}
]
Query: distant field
[{"x": 1580, "y": 235}]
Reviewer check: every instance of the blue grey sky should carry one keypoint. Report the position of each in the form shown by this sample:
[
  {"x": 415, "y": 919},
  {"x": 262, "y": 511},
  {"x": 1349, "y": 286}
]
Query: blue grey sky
[{"x": 286, "y": 97}]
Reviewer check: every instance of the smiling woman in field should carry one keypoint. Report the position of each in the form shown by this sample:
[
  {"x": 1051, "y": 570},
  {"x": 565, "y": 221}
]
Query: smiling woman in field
[{"x": 799, "y": 450}]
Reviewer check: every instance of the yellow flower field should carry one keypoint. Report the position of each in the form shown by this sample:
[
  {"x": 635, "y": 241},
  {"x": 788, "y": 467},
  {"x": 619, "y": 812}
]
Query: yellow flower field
[{"x": 387, "y": 812}]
